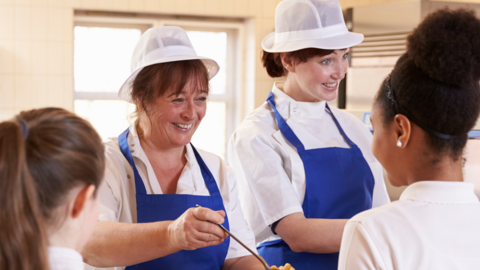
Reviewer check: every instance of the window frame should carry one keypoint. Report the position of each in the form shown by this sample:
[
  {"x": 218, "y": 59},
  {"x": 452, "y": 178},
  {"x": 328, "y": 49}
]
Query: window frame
[{"x": 99, "y": 22}]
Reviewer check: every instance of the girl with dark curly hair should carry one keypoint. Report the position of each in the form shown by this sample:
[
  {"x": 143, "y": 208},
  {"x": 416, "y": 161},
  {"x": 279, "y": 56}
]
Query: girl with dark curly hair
[{"x": 421, "y": 117}]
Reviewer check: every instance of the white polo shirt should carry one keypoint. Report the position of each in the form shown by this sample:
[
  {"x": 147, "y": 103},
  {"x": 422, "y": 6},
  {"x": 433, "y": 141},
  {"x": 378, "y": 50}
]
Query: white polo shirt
[
  {"x": 434, "y": 226},
  {"x": 269, "y": 170},
  {"x": 117, "y": 193},
  {"x": 62, "y": 258}
]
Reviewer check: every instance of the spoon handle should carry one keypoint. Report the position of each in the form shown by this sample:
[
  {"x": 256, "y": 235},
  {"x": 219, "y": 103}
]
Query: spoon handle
[
  {"x": 245, "y": 246},
  {"x": 241, "y": 243}
]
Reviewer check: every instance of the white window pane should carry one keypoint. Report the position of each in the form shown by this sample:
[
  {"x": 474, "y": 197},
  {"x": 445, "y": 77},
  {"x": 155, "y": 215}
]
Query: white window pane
[
  {"x": 210, "y": 135},
  {"x": 212, "y": 45},
  {"x": 102, "y": 57},
  {"x": 108, "y": 117}
]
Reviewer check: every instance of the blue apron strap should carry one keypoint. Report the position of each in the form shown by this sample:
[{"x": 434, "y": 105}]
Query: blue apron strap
[
  {"x": 207, "y": 175},
  {"x": 340, "y": 127},
  {"x": 284, "y": 127},
  {"x": 123, "y": 143}
]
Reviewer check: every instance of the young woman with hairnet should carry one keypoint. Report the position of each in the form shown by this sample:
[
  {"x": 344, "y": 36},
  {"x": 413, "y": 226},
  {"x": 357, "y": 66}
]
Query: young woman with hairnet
[
  {"x": 303, "y": 169},
  {"x": 155, "y": 178}
]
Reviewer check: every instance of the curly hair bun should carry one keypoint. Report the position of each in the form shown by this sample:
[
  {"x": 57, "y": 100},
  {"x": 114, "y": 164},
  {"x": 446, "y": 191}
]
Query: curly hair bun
[{"x": 446, "y": 46}]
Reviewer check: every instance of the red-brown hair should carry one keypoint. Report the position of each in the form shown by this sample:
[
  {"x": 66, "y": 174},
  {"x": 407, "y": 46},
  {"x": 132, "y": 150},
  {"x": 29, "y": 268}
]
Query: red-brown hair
[
  {"x": 272, "y": 62},
  {"x": 156, "y": 80}
]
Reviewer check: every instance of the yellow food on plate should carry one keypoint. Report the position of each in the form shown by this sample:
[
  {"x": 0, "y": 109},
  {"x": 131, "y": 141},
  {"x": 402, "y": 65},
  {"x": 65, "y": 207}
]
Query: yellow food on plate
[{"x": 286, "y": 267}]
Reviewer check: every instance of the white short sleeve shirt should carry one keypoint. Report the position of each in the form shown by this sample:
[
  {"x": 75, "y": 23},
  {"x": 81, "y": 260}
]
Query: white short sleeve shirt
[
  {"x": 269, "y": 171},
  {"x": 62, "y": 258},
  {"x": 434, "y": 225},
  {"x": 117, "y": 193}
]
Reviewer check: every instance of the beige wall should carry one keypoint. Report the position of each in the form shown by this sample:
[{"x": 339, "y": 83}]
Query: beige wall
[{"x": 36, "y": 43}]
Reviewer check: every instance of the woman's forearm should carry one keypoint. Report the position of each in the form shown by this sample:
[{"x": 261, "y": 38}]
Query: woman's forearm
[
  {"x": 310, "y": 234},
  {"x": 123, "y": 244}
]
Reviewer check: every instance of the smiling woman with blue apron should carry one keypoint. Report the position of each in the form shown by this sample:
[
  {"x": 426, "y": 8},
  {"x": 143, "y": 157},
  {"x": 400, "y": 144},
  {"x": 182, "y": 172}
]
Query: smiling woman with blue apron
[
  {"x": 302, "y": 168},
  {"x": 155, "y": 177},
  {"x": 152, "y": 208}
]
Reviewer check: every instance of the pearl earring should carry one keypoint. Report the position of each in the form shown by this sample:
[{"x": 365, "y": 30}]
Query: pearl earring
[{"x": 399, "y": 143}]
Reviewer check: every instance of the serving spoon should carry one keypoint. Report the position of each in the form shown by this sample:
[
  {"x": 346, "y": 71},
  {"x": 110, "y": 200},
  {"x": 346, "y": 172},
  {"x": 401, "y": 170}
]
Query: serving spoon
[{"x": 245, "y": 246}]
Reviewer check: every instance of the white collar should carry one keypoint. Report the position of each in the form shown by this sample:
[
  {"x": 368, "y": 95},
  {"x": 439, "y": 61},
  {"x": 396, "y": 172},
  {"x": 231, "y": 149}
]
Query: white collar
[
  {"x": 62, "y": 258},
  {"x": 134, "y": 142},
  {"x": 445, "y": 192},
  {"x": 288, "y": 107},
  {"x": 66, "y": 253},
  {"x": 137, "y": 151},
  {"x": 190, "y": 155},
  {"x": 192, "y": 165}
]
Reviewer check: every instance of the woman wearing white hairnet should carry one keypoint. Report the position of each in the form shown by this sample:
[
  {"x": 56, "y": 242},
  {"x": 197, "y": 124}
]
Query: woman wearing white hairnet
[
  {"x": 155, "y": 177},
  {"x": 303, "y": 169}
]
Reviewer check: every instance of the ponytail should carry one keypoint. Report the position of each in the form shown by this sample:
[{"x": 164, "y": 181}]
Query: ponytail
[
  {"x": 23, "y": 240},
  {"x": 63, "y": 152},
  {"x": 273, "y": 64}
]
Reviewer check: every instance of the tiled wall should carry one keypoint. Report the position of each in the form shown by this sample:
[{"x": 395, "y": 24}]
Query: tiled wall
[
  {"x": 36, "y": 55},
  {"x": 36, "y": 43}
]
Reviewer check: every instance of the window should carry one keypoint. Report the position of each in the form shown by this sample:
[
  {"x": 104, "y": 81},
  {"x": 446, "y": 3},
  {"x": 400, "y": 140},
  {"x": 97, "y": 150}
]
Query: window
[
  {"x": 102, "y": 55},
  {"x": 101, "y": 64}
]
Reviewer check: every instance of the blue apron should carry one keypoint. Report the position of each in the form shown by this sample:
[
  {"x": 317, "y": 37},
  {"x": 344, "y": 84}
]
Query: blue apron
[
  {"x": 339, "y": 185},
  {"x": 160, "y": 207}
]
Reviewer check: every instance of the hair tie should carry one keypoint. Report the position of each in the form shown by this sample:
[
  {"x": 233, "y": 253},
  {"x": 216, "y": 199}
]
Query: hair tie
[
  {"x": 399, "y": 109},
  {"x": 24, "y": 128}
]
